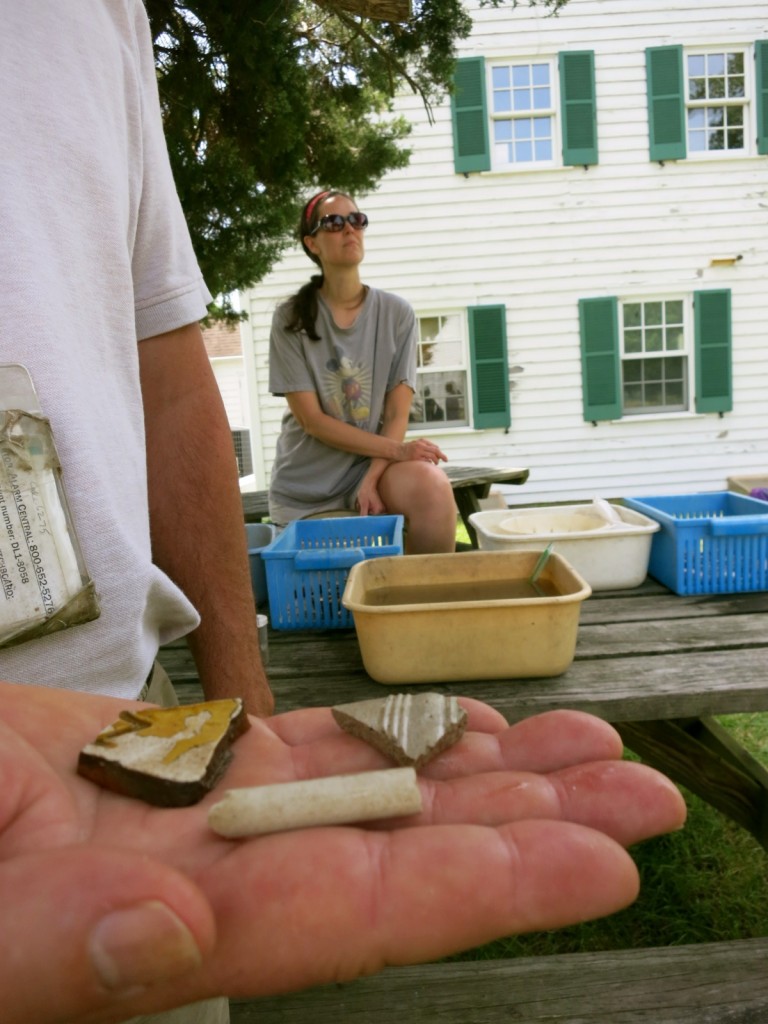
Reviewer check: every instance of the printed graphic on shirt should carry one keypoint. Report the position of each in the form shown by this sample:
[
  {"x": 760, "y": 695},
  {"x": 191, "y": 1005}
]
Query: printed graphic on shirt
[{"x": 348, "y": 390}]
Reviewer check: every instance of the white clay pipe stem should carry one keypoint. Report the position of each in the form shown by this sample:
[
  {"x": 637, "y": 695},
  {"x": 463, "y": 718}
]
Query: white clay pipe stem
[{"x": 336, "y": 800}]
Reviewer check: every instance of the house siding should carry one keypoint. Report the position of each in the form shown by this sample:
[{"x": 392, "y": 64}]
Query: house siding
[{"x": 537, "y": 241}]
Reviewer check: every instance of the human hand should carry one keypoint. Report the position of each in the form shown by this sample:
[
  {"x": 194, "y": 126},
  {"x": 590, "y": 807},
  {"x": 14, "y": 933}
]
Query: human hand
[
  {"x": 120, "y": 908},
  {"x": 368, "y": 500},
  {"x": 421, "y": 450}
]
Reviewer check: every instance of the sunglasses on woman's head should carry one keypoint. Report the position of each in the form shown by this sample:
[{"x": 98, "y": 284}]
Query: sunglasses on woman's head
[{"x": 335, "y": 222}]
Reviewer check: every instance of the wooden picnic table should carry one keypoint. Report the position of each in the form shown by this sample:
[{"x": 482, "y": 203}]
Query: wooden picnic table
[
  {"x": 470, "y": 485},
  {"x": 658, "y": 666}
]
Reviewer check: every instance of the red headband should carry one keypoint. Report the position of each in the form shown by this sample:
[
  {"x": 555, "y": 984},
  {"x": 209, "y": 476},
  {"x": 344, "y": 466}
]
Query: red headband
[{"x": 313, "y": 203}]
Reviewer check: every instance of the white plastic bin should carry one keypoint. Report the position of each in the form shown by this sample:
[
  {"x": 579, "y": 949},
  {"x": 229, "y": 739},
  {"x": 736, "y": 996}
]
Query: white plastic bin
[{"x": 610, "y": 555}]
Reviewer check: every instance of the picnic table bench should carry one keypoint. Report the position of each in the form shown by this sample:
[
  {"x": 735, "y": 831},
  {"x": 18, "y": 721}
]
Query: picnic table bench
[
  {"x": 470, "y": 485},
  {"x": 658, "y": 666}
]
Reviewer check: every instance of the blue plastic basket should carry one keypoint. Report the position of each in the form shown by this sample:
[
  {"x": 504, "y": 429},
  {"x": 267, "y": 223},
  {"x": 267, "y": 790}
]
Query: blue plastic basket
[
  {"x": 308, "y": 563},
  {"x": 712, "y": 543}
]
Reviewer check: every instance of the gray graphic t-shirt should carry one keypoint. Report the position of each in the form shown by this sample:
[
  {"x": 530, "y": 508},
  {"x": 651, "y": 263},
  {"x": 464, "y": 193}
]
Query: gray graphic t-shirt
[{"x": 351, "y": 370}]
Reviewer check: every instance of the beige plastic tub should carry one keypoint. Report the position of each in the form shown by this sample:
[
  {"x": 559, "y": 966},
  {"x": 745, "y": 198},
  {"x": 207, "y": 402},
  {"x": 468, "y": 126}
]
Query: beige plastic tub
[
  {"x": 444, "y": 618},
  {"x": 744, "y": 483}
]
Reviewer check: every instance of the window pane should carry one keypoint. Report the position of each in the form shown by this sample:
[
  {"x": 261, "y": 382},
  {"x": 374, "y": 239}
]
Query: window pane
[
  {"x": 521, "y": 75},
  {"x": 675, "y": 338},
  {"x": 502, "y": 131},
  {"x": 633, "y": 341},
  {"x": 696, "y": 65},
  {"x": 519, "y": 89},
  {"x": 653, "y": 314},
  {"x": 440, "y": 398},
  {"x": 716, "y": 88},
  {"x": 654, "y": 340},
  {"x": 633, "y": 313},
  {"x": 717, "y": 77},
  {"x": 652, "y": 384},
  {"x": 500, "y": 77},
  {"x": 429, "y": 327},
  {"x": 697, "y": 89},
  {"x": 696, "y": 118},
  {"x": 447, "y": 353},
  {"x": 715, "y": 116},
  {"x": 697, "y": 142},
  {"x": 523, "y": 152},
  {"x": 522, "y": 99},
  {"x": 653, "y": 370}
]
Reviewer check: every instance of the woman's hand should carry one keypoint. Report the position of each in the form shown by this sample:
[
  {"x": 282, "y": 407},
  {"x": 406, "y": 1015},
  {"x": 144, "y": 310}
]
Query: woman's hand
[
  {"x": 368, "y": 500},
  {"x": 421, "y": 450}
]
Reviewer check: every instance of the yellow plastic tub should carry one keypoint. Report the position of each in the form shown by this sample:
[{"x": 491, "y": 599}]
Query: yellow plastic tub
[{"x": 467, "y": 616}]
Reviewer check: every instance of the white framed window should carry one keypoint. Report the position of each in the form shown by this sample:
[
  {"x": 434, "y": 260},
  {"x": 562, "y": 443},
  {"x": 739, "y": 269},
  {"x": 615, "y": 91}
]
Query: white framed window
[
  {"x": 657, "y": 355},
  {"x": 442, "y": 372},
  {"x": 523, "y": 112},
  {"x": 656, "y": 347},
  {"x": 717, "y": 92}
]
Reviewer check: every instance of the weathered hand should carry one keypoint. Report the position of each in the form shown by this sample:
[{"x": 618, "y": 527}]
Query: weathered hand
[{"x": 120, "y": 908}]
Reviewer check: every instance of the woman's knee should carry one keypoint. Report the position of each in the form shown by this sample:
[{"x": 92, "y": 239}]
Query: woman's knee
[{"x": 417, "y": 484}]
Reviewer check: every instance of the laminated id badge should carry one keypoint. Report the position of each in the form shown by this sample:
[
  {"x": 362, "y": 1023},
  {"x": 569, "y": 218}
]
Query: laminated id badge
[{"x": 44, "y": 584}]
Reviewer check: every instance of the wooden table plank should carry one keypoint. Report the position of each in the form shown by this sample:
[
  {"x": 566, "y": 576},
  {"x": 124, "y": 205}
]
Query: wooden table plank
[
  {"x": 646, "y": 660},
  {"x": 698, "y": 984}
]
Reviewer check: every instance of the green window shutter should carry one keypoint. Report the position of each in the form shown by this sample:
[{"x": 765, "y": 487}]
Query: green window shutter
[
  {"x": 600, "y": 359},
  {"x": 666, "y": 102},
  {"x": 761, "y": 78},
  {"x": 579, "y": 107},
  {"x": 712, "y": 340},
  {"x": 490, "y": 365},
  {"x": 471, "y": 151}
]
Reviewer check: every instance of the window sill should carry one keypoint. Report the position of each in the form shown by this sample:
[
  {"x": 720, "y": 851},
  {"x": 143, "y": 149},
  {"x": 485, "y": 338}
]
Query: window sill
[{"x": 650, "y": 417}]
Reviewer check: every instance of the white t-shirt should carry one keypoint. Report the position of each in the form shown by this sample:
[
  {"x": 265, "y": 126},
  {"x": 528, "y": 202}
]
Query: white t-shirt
[{"x": 94, "y": 255}]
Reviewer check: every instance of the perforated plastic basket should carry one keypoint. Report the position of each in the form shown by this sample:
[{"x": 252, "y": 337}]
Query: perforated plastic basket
[
  {"x": 308, "y": 563},
  {"x": 712, "y": 543}
]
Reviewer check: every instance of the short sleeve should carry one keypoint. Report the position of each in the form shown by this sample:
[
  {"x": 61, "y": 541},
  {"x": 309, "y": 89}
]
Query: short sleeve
[
  {"x": 288, "y": 369},
  {"x": 168, "y": 286},
  {"x": 403, "y": 369}
]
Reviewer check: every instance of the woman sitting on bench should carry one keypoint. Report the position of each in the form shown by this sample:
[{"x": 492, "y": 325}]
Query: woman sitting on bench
[{"x": 344, "y": 356}]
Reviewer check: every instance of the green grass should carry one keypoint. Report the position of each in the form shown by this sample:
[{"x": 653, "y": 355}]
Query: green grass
[
  {"x": 461, "y": 533},
  {"x": 705, "y": 883}
]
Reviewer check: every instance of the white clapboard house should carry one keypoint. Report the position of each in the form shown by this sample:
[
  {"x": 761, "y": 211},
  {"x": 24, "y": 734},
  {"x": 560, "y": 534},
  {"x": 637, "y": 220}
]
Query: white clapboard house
[{"x": 583, "y": 233}]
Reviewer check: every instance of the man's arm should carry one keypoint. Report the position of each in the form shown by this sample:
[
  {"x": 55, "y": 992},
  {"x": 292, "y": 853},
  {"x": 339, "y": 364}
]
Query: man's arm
[{"x": 196, "y": 518}]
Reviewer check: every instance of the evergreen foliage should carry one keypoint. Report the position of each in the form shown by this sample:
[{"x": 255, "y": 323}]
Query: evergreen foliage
[{"x": 265, "y": 101}]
